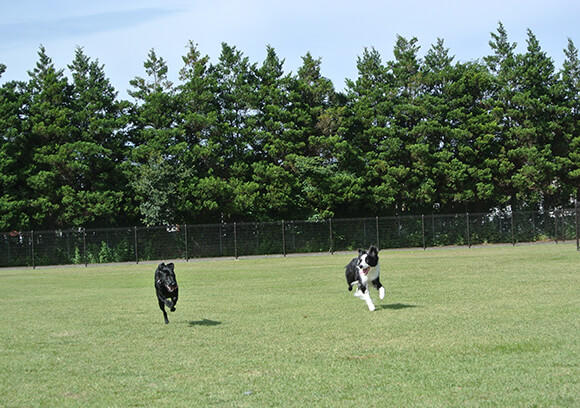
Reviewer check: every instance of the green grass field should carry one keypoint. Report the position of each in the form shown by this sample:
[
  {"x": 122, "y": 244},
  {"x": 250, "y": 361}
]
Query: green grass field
[{"x": 479, "y": 327}]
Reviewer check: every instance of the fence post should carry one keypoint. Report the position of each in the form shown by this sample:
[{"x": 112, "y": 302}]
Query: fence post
[
  {"x": 468, "y": 232},
  {"x": 8, "y": 248},
  {"x": 331, "y": 242},
  {"x": 85, "y": 255},
  {"x": 32, "y": 248},
  {"x": 136, "y": 246},
  {"x": 423, "y": 228},
  {"x": 221, "y": 239},
  {"x": 556, "y": 226},
  {"x": 283, "y": 239},
  {"x": 563, "y": 227},
  {"x": 378, "y": 236},
  {"x": 186, "y": 247},
  {"x": 577, "y": 234},
  {"x": 235, "y": 241},
  {"x": 512, "y": 221}
]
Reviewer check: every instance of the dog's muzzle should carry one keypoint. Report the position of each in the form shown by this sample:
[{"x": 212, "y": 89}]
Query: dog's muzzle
[{"x": 170, "y": 288}]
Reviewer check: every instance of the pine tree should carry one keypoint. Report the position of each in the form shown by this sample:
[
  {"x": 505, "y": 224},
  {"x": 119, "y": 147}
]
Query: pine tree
[
  {"x": 456, "y": 128},
  {"x": 50, "y": 173},
  {"x": 373, "y": 146},
  {"x": 15, "y": 157},
  {"x": 97, "y": 150},
  {"x": 416, "y": 186},
  {"x": 157, "y": 170},
  {"x": 568, "y": 148},
  {"x": 229, "y": 188},
  {"x": 235, "y": 82},
  {"x": 198, "y": 118},
  {"x": 324, "y": 185},
  {"x": 502, "y": 65},
  {"x": 198, "y": 115},
  {"x": 538, "y": 127},
  {"x": 273, "y": 142},
  {"x": 528, "y": 139}
]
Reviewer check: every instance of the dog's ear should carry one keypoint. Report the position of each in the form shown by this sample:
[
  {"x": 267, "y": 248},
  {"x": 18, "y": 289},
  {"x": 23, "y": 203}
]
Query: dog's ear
[
  {"x": 161, "y": 265},
  {"x": 373, "y": 250},
  {"x": 171, "y": 266},
  {"x": 360, "y": 252}
]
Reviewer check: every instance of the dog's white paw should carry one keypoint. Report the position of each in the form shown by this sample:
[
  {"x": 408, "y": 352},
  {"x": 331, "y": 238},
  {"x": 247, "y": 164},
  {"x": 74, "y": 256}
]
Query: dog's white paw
[
  {"x": 381, "y": 293},
  {"x": 372, "y": 308}
]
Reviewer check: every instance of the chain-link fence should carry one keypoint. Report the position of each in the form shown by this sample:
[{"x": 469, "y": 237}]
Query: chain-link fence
[{"x": 104, "y": 245}]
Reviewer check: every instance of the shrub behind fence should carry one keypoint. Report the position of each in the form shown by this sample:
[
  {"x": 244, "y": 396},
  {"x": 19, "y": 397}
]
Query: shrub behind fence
[{"x": 105, "y": 245}]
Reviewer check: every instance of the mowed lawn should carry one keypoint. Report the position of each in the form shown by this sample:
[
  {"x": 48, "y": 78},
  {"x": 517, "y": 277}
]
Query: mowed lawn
[{"x": 480, "y": 327}]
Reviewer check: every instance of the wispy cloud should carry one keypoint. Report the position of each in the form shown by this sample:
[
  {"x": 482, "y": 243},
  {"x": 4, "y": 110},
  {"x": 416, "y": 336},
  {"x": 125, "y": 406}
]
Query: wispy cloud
[{"x": 43, "y": 30}]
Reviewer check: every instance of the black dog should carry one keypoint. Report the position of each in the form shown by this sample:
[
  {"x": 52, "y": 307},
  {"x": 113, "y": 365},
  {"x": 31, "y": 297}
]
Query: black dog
[
  {"x": 166, "y": 288},
  {"x": 362, "y": 270}
]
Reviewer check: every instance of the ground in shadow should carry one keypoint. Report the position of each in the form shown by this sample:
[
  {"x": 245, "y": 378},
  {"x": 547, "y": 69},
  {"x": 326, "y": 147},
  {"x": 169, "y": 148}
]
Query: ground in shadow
[
  {"x": 204, "y": 322},
  {"x": 398, "y": 306}
]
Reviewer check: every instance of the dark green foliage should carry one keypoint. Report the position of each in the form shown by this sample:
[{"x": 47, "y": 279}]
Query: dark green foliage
[{"x": 237, "y": 141}]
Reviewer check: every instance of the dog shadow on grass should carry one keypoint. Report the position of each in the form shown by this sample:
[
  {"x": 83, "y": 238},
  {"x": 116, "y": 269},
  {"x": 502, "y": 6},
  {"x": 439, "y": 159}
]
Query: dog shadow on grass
[
  {"x": 398, "y": 306},
  {"x": 204, "y": 322}
]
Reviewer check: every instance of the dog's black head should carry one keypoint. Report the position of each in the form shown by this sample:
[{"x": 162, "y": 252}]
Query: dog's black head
[
  {"x": 367, "y": 259},
  {"x": 165, "y": 277}
]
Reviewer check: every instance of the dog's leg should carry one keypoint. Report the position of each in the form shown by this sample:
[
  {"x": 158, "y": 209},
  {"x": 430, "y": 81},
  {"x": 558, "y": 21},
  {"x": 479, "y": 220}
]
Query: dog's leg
[
  {"x": 367, "y": 298},
  {"x": 359, "y": 293},
  {"x": 162, "y": 307},
  {"x": 364, "y": 294},
  {"x": 377, "y": 284}
]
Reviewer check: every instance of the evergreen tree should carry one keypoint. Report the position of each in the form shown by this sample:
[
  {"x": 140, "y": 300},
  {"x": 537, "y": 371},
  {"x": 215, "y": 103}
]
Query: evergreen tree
[
  {"x": 15, "y": 157},
  {"x": 537, "y": 128},
  {"x": 50, "y": 173},
  {"x": 502, "y": 64},
  {"x": 567, "y": 147},
  {"x": 156, "y": 152},
  {"x": 373, "y": 146},
  {"x": 467, "y": 179},
  {"x": 274, "y": 133},
  {"x": 435, "y": 139},
  {"x": 417, "y": 187},
  {"x": 97, "y": 149},
  {"x": 198, "y": 115},
  {"x": 229, "y": 189},
  {"x": 198, "y": 119},
  {"x": 525, "y": 110},
  {"x": 325, "y": 186},
  {"x": 235, "y": 86},
  {"x": 456, "y": 128}
]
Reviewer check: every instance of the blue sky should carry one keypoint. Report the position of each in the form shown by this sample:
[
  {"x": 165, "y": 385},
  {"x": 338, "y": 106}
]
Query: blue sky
[{"x": 120, "y": 33}]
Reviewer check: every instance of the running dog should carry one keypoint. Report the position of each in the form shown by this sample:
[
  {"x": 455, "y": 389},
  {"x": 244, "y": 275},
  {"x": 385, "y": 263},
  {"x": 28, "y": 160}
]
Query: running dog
[
  {"x": 362, "y": 270},
  {"x": 166, "y": 288}
]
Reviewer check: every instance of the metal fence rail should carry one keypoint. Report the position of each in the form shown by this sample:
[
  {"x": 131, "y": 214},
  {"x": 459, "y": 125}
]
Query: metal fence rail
[{"x": 135, "y": 244}]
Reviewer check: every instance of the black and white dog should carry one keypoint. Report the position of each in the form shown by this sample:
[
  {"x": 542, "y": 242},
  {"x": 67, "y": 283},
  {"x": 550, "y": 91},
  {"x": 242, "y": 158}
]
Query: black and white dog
[
  {"x": 362, "y": 270},
  {"x": 166, "y": 288}
]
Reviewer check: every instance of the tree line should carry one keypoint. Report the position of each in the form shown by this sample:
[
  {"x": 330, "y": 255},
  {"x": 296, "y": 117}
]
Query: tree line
[{"x": 241, "y": 141}]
